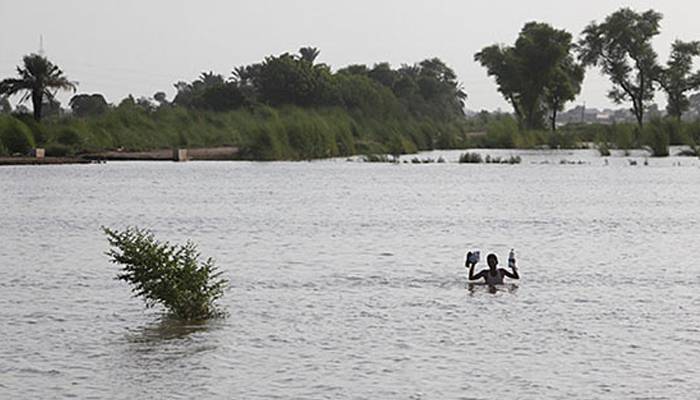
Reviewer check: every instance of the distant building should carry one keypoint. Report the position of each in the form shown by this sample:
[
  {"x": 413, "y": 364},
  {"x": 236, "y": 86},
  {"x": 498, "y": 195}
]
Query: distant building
[{"x": 584, "y": 115}]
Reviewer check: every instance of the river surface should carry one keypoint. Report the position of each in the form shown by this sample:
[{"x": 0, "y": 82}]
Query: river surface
[{"x": 347, "y": 280}]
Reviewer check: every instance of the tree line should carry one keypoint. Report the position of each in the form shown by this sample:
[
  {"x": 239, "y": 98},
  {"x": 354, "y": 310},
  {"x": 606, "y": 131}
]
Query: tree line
[
  {"x": 544, "y": 68},
  {"x": 286, "y": 106},
  {"x": 428, "y": 88},
  {"x": 365, "y": 108}
]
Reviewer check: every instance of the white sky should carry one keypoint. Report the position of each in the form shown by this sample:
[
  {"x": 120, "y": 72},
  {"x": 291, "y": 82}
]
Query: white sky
[{"x": 142, "y": 46}]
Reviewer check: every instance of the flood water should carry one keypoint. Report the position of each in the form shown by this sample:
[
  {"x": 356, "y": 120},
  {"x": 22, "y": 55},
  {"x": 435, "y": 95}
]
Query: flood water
[{"x": 348, "y": 280}]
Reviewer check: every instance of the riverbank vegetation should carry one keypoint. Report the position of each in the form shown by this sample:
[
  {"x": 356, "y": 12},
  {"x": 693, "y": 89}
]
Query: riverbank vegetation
[
  {"x": 291, "y": 107},
  {"x": 656, "y": 136},
  {"x": 476, "y": 158},
  {"x": 166, "y": 274},
  {"x": 544, "y": 69},
  {"x": 286, "y": 107}
]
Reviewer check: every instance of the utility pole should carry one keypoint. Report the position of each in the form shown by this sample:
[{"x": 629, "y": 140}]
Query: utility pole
[{"x": 41, "y": 45}]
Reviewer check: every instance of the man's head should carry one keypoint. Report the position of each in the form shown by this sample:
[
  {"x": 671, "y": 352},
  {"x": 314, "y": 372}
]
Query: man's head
[{"x": 492, "y": 260}]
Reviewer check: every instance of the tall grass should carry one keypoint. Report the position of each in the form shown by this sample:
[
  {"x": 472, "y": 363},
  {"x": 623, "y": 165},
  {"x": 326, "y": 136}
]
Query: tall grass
[
  {"x": 261, "y": 133},
  {"x": 15, "y": 136},
  {"x": 293, "y": 133},
  {"x": 504, "y": 133}
]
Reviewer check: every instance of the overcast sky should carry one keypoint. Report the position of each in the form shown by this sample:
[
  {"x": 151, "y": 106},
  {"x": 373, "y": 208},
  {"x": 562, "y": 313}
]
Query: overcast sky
[{"x": 139, "y": 47}]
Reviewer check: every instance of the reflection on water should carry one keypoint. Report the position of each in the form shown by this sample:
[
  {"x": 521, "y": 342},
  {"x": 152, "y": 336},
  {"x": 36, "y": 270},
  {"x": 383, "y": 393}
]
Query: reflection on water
[
  {"x": 480, "y": 287},
  {"x": 167, "y": 329},
  {"x": 348, "y": 280}
]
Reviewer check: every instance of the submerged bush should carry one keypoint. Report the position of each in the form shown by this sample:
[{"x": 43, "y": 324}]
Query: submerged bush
[
  {"x": 689, "y": 152},
  {"x": 167, "y": 274},
  {"x": 471, "y": 158},
  {"x": 498, "y": 160},
  {"x": 379, "y": 158}
]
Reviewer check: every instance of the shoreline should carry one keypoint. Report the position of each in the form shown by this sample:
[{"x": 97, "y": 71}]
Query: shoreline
[
  {"x": 230, "y": 153},
  {"x": 224, "y": 153},
  {"x": 25, "y": 160}
]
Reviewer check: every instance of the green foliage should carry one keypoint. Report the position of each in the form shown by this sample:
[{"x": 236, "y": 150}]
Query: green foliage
[
  {"x": 84, "y": 105},
  {"x": 537, "y": 75},
  {"x": 621, "y": 46},
  {"x": 59, "y": 150},
  {"x": 222, "y": 97},
  {"x": 498, "y": 160},
  {"x": 677, "y": 78},
  {"x": 38, "y": 78},
  {"x": 291, "y": 80},
  {"x": 691, "y": 132},
  {"x": 38, "y": 129},
  {"x": 656, "y": 136},
  {"x": 261, "y": 132},
  {"x": 624, "y": 136},
  {"x": 426, "y": 89},
  {"x": 379, "y": 158},
  {"x": 476, "y": 158},
  {"x": 15, "y": 136},
  {"x": 166, "y": 274},
  {"x": 471, "y": 158},
  {"x": 5, "y": 106},
  {"x": 502, "y": 133}
]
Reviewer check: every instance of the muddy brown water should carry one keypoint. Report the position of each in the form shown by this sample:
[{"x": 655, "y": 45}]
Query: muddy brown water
[{"x": 347, "y": 280}]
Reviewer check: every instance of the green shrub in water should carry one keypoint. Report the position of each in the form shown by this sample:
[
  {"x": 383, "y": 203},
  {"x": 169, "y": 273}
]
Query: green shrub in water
[
  {"x": 471, "y": 158},
  {"x": 167, "y": 274},
  {"x": 379, "y": 158}
]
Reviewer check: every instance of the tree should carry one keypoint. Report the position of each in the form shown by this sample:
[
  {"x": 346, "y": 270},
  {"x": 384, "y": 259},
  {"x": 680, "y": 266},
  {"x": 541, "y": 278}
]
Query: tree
[
  {"x": 161, "y": 98},
  {"x": 221, "y": 98},
  {"x": 209, "y": 79},
  {"x": 384, "y": 74},
  {"x": 84, "y": 105},
  {"x": 677, "y": 79},
  {"x": 309, "y": 54},
  {"x": 563, "y": 87},
  {"x": 359, "y": 92},
  {"x": 535, "y": 74},
  {"x": 5, "y": 106},
  {"x": 188, "y": 93},
  {"x": 439, "y": 87},
  {"x": 168, "y": 274},
  {"x": 51, "y": 107},
  {"x": 621, "y": 47},
  {"x": 145, "y": 104},
  {"x": 694, "y": 104},
  {"x": 286, "y": 79},
  {"x": 38, "y": 77},
  {"x": 355, "y": 69}
]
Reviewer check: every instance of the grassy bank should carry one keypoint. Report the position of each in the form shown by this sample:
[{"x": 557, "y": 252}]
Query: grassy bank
[
  {"x": 262, "y": 133},
  {"x": 295, "y": 133},
  {"x": 656, "y": 136}
]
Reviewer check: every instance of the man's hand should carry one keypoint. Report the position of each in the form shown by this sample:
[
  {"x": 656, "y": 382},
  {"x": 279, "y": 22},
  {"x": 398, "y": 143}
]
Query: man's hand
[{"x": 467, "y": 263}]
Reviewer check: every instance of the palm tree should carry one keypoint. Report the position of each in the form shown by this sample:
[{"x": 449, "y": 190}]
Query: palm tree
[
  {"x": 37, "y": 78},
  {"x": 209, "y": 79},
  {"x": 309, "y": 54}
]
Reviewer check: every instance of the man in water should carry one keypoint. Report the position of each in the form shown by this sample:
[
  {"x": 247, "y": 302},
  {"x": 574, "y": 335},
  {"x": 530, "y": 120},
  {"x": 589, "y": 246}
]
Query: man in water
[{"x": 493, "y": 275}]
